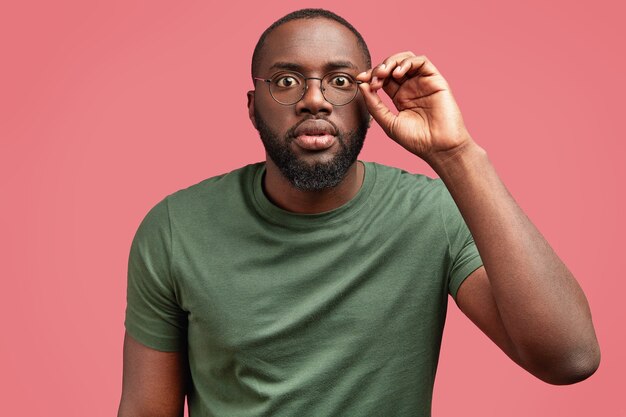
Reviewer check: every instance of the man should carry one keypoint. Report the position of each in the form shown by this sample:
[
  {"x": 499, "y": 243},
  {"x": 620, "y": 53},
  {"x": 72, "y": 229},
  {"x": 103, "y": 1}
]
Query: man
[{"x": 316, "y": 284}]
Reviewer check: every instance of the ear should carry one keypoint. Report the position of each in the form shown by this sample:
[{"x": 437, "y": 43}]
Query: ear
[{"x": 251, "y": 108}]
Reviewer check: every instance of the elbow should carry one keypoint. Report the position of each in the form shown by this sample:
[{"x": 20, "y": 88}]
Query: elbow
[{"x": 570, "y": 369}]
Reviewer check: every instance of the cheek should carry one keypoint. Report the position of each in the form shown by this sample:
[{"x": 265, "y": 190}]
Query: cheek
[
  {"x": 364, "y": 114},
  {"x": 263, "y": 105},
  {"x": 272, "y": 113},
  {"x": 350, "y": 117}
]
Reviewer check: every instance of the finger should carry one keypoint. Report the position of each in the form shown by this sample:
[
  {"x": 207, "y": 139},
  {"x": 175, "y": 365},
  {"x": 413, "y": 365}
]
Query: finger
[
  {"x": 365, "y": 76},
  {"x": 382, "y": 72},
  {"x": 381, "y": 113},
  {"x": 377, "y": 76},
  {"x": 369, "y": 77},
  {"x": 412, "y": 66},
  {"x": 390, "y": 63}
]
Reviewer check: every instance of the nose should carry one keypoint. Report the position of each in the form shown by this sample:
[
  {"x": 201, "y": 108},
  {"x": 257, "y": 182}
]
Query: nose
[{"x": 313, "y": 100}]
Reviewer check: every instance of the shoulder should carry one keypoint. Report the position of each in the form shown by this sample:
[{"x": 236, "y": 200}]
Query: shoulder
[
  {"x": 419, "y": 189},
  {"x": 219, "y": 183},
  {"x": 232, "y": 188},
  {"x": 205, "y": 198}
]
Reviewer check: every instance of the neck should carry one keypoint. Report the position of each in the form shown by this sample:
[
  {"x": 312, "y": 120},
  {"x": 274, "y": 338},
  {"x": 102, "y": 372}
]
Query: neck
[{"x": 283, "y": 194}]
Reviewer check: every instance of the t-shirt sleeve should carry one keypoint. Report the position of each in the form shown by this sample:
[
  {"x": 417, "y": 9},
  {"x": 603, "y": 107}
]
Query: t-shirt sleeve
[
  {"x": 463, "y": 254},
  {"x": 154, "y": 316}
]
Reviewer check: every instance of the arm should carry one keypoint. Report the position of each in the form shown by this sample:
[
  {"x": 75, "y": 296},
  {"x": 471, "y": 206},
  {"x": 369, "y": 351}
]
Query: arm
[
  {"x": 533, "y": 297},
  {"x": 153, "y": 383},
  {"x": 525, "y": 299}
]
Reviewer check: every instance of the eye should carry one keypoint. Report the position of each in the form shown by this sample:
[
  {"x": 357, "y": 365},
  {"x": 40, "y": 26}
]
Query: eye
[
  {"x": 286, "y": 81},
  {"x": 340, "y": 81}
]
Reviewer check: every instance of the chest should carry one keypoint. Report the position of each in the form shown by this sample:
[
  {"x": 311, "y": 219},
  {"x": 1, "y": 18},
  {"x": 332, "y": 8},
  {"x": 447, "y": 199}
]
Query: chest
[{"x": 269, "y": 292}]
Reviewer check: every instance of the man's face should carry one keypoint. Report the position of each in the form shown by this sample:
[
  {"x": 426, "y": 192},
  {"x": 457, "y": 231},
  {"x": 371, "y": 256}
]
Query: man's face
[{"x": 313, "y": 143}]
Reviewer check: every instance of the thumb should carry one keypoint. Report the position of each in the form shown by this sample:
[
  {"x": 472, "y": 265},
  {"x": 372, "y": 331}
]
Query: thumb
[{"x": 379, "y": 110}]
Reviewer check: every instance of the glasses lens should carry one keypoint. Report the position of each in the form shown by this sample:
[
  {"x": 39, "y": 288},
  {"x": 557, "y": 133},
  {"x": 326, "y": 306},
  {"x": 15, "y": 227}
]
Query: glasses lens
[
  {"x": 339, "y": 88},
  {"x": 287, "y": 87}
]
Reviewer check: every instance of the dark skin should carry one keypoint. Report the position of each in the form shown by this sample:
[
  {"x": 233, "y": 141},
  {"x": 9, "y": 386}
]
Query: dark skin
[
  {"x": 290, "y": 44},
  {"x": 154, "y": 382},
  {"x": 524, "y": 298}
]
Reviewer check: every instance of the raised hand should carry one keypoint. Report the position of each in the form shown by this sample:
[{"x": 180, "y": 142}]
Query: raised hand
[
  {"x": 429, "y": 122},
  {"x": 524, "y": 289}
]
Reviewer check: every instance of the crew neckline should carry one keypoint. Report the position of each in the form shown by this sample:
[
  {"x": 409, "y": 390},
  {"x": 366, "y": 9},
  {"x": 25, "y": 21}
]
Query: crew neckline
[{"x": 280, "y": 216}]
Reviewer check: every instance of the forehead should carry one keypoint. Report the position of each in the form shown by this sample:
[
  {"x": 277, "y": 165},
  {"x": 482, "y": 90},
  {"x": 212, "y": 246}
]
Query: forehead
[{"x": 312, "y": 44}]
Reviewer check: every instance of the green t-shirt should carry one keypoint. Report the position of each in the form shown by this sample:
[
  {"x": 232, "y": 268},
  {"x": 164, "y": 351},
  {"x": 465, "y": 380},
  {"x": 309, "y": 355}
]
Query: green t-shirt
[{"x": 333, "y": 314}]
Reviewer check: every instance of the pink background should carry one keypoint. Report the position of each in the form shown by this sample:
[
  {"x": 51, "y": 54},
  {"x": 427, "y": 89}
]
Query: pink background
[{"x": 106, "y": 107}]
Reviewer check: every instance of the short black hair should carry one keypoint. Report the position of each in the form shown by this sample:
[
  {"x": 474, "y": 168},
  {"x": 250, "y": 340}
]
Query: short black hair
[{"x": 307, "y": 14}]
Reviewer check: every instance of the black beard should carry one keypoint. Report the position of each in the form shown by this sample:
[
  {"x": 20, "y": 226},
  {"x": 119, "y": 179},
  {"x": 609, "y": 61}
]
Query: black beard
[{"x": 312, "y": 177}]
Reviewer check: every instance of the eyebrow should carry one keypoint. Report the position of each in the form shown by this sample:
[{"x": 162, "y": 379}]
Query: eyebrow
[{"x": 329, "y": 66}]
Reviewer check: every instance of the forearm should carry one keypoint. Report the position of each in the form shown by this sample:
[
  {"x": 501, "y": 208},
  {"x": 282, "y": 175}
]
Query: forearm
[{"x": 542, "y": 307}]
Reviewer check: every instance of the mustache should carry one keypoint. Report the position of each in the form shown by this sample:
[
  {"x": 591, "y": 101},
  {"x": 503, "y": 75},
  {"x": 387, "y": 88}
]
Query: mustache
[{"x": 290, "y": 134}]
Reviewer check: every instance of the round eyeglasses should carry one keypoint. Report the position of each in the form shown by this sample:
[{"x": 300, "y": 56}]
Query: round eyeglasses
[{"x": 287, "y": 88}]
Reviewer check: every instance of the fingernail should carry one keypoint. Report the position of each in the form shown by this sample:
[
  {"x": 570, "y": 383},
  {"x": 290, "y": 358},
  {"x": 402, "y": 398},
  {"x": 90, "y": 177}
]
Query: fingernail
[
  {"x": 362, "y": 74},
  {"x": 383, "y": 66},
  {"x": 374, "y": 79}
]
